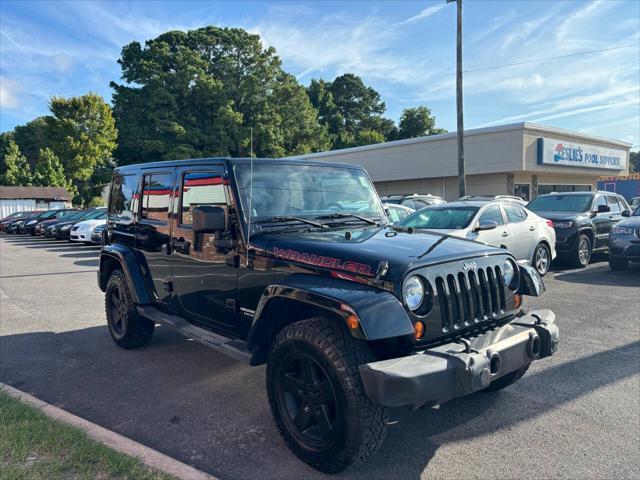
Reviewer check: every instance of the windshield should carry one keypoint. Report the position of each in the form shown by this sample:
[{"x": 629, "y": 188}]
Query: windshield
[
  {"x": 93, "y": 214},
  {"x": 434, "y": 218},
  {"x": 561, "y": 203},
  {"x": 636, "y": 213},
  {"x": 309, "y": 191},
  {"x": 48, "y": 214}
]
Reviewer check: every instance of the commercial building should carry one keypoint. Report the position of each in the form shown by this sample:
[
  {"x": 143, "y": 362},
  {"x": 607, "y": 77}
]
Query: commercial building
[
  {"x": 22, "y": 199},
  {"x": 522, "y": 159}
]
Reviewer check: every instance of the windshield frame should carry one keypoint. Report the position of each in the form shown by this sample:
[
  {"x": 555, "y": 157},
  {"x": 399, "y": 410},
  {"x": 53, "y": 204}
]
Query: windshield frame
[{"x": 254, "y": 220}]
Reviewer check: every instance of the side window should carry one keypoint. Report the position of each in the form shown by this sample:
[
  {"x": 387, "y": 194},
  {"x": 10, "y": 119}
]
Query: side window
[
  {"x": 612, "y": 201},
  {"x": 600, "y": 201},
  {"x": 156, "y": 196},
  {"x": 515, "y": 214},
  {"x": 200, "y": 188},
  {"x": 394, "y": 215},
  {"x": 124, "y": 197},
  {"x": 492, "y": 213}
]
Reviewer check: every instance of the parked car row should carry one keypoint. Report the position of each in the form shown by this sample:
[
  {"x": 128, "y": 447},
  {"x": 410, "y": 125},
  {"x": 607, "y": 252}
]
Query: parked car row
[
  {"x": 61, "y": 224},
  {"x": 570, "y": 225}
]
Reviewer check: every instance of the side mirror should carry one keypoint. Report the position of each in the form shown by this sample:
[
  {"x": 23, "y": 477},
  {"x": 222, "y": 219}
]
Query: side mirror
[
  {"x": 485, "y": 225},
  {"x": 210, "y": 219},
  {"x": 604, "y": 208},
  {"x": 626, "y": 213}
]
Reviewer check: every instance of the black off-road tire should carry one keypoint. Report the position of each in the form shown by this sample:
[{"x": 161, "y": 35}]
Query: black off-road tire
[
  {"x": 127, "y": 328},
  {"x": 508, "y": 379},
  {"x": 576, "y": 259},
  {"x": 617, "y": 263},
  {"x": 360, "y": 424}
]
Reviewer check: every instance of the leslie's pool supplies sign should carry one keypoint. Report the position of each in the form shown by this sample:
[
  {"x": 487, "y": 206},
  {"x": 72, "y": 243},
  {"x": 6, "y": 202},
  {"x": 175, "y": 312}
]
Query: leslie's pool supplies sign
[{"x": 566, "y": 154}]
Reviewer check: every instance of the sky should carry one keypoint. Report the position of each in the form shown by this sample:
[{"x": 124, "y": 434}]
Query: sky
[{"x": 577, "y": 63}]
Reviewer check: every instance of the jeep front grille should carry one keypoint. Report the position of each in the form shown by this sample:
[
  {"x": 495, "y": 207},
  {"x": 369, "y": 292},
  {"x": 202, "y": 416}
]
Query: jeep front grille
[{"x": 468, "y": 298}]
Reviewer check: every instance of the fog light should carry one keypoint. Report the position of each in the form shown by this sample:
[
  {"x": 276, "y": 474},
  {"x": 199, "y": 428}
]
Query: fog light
[
  {"x": 353, "y": 322},
  {"x": 419, "y": 329}
]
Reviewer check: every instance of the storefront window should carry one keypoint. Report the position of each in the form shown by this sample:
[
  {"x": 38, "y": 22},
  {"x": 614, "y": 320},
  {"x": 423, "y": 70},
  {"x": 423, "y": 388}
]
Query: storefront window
[{"x": 522, "y": 190}]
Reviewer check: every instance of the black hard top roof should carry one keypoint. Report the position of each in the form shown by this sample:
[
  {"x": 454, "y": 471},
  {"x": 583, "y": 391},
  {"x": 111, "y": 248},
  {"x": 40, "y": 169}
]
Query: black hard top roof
[{"x": 230, "y": 162}]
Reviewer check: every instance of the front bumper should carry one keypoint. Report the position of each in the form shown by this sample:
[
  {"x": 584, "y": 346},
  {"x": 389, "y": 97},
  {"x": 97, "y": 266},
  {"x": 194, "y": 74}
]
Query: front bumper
[
  {"x": 80, "y": 235},
  {"x": 625, "y": 246},
  {"x": 459, "y": 368}
]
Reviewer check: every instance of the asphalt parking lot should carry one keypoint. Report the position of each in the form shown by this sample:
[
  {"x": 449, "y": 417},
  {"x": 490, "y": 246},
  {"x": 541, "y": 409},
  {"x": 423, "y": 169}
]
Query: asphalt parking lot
[{"x": 575, "y": 415}]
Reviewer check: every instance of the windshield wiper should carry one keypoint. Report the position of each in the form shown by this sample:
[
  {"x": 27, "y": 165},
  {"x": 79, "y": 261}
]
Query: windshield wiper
[
  {"x": 353, "y": 215},
  {"x": 286, "y": 219}
]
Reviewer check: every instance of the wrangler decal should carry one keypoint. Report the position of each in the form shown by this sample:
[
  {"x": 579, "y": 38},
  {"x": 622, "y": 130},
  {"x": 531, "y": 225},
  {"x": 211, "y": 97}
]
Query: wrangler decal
[{"x": 322, "y": 261}]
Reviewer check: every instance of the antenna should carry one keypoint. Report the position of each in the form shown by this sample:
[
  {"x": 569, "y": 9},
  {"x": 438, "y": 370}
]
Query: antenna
[{"x": 250, "y": 192}]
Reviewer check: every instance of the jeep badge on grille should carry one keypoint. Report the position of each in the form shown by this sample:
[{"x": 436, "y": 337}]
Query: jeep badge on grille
[{"x": 466, "y": 266}]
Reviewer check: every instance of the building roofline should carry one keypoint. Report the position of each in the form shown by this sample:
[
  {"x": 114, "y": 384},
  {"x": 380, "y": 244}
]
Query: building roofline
[{"x": 467, "y": 133}]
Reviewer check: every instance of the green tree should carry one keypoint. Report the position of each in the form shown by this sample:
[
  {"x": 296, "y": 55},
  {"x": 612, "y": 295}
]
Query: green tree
[
  {"x": 5, "y": 140},
  {"x": 49, "y": 171},
  {"x": 32, "y": 137},
  {"x": 417, "y": 122},
  {"x": 16, "y": 167},
  {"x": 350, "y": 111},
  {"x": 82, "y": 134},
  {"x": 200, "y": 93}
]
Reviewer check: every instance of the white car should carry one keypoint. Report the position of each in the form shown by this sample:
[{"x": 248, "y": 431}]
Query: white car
[
  {"x": 81, "y": 231},
  {"x": 501, "y": 223},
  {"x": 397, "y": 213}
]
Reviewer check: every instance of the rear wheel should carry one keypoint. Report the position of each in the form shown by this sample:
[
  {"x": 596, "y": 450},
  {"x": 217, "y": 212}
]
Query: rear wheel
[
  {"x": 542, "y": 259},
  {"x": 508, "y": 379},
  {"x": 317, "y": 397},
  {"x": 581, "y": 255},
  {"x": 127, "y": 328},
  {"x": 617, "y": 263}
]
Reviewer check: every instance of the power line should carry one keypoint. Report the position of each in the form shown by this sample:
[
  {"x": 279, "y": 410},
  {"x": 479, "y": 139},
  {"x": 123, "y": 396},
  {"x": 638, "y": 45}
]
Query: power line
[{"x": 493, "y": 67}]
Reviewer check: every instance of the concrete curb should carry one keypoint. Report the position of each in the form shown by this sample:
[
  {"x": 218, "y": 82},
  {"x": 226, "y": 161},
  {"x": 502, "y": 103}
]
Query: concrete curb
[{"x": 115, "y": 441}]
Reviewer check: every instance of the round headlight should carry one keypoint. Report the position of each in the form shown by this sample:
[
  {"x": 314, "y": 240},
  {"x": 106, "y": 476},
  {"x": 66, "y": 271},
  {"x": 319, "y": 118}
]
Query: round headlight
[
  {"x": 413, "y": 292},
  {"x": 508, "y": 273}
]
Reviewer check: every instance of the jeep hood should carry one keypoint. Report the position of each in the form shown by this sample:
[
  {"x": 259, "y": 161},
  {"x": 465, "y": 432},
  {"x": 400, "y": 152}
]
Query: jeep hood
[
  {"x": 561, "y": 216},
  {"x": 370, "y": 246}
]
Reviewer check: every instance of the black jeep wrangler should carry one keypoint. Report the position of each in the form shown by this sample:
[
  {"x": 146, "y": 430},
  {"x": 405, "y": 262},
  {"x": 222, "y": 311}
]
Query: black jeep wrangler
[{"x": 294, "y": 264}]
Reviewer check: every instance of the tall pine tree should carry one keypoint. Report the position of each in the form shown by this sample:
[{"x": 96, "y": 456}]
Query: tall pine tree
[{"x": 16, "y": 169}]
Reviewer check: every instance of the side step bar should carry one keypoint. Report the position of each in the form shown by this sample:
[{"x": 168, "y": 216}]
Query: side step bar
[{"x": 229, "y": 346}]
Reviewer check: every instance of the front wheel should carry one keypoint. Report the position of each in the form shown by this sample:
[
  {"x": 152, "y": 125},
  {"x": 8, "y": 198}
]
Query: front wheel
[
  {"x": 317, "y": 397},
  {"x": 616, "y": 263},
  {"x": 127, "y": 328},
  {"x": 542, "y": 259},
  {"x": 581, "y": 255}
]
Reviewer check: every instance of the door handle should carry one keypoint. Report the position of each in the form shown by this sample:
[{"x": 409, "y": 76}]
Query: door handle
[
  {"x": 532, "y": 228},
  {"x": 505, "y": 234}
]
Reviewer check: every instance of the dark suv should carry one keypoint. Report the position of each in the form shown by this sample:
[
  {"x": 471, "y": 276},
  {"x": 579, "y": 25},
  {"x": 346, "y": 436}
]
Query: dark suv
[
  {"x": 294, "y": 264},
  {"x": 582, "y": 221}
]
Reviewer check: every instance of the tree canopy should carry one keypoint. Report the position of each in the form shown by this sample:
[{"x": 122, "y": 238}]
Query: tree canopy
[
  {"x": 199, "y": 93},
  {"x": 16, "y": 168},
  {"x": 49, "y": 171},
  {"x": 418, "y": 122}
]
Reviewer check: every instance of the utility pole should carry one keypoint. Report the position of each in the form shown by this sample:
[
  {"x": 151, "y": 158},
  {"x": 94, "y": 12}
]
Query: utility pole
[{"x": 462, "y": 181}]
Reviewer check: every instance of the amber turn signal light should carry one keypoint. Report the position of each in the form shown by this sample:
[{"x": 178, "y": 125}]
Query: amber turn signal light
[
  {"x": 518, "y": 299},
  {"x": 419, "y": 329},
  {"x": 353, "y": 322}
]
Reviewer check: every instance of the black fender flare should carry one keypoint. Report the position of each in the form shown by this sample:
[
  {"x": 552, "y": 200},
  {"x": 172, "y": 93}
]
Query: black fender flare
[
  {"x": 127, "y": 261},
  {"x": 380, "y": 313}
]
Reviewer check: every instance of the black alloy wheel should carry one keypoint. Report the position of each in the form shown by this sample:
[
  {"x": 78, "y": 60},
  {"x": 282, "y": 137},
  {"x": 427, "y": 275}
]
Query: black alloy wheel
[{"x": 307, "y": 401}]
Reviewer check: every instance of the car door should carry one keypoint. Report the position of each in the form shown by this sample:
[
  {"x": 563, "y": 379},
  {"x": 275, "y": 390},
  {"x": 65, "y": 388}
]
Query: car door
[
  {"x": 498, "y": 236},
  {"x": 615, "y": 215},
  {"x": 601, "y": 222},
  {"x": 522, "y": 236},
  {"x": 205, "y": 274},
  {"x": 154, "y": 229}
]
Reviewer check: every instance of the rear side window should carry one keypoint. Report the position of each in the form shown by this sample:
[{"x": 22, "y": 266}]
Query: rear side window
[
  {"x": 515, "y": 214},
  {"x": 493, "y": 214},
  {"x": 156, "y": 196},
  {"x": 612, "y": 201},
  {"x": 200, "y": 188},
  {"x": 124, "y": 197}
]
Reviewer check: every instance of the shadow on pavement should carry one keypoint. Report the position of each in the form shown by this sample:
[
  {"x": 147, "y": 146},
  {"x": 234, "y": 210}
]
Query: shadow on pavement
[
  {"x": 210, "y": 411},
  {"x": 82, "y": 254},
  {"x": 603, "y": 275}
]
